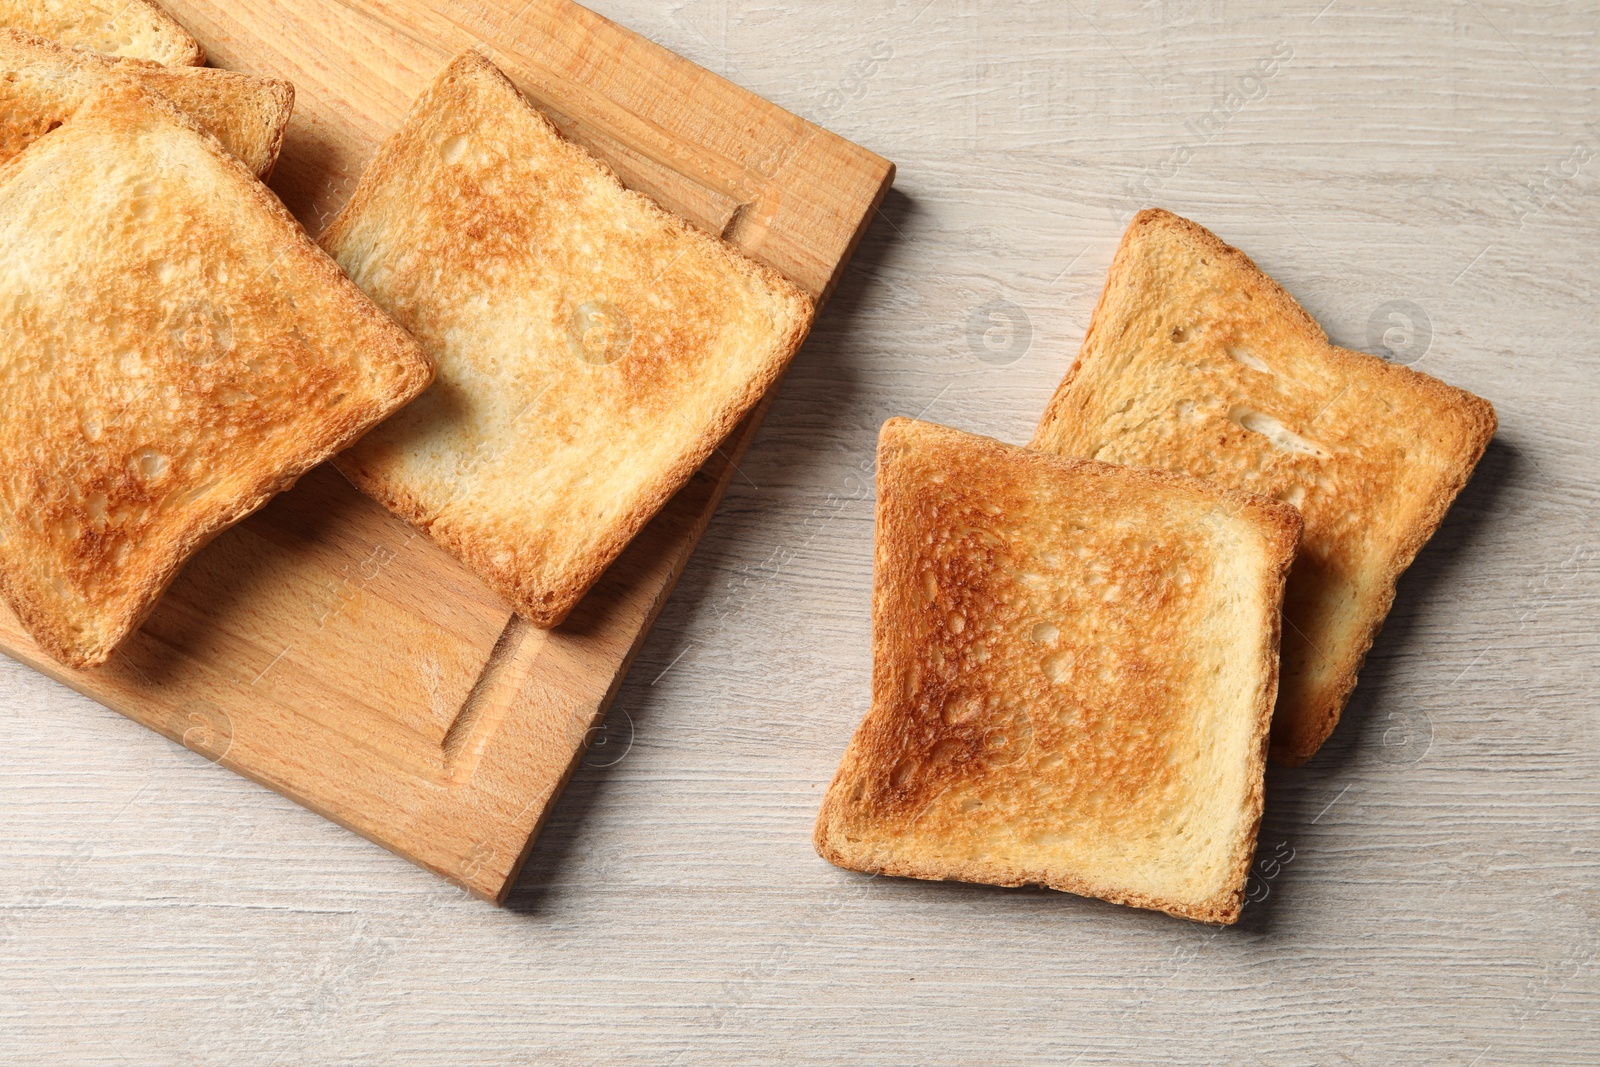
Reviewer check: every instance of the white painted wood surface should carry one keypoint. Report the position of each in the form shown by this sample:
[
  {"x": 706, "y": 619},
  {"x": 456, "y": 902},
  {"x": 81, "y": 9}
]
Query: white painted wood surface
[{"x": 1432, "y": 879}]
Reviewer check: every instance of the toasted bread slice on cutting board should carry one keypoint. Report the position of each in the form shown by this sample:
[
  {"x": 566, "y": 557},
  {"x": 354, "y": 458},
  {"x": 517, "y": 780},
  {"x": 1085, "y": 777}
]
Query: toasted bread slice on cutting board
[
  {"x": 177, "y": 351},
  {"x": 42, "y": 83},
  {"x": 1073, "y": 671},
  {"x": 1198, "y": 362},
  {"x": 593, "y": 349},
  {"x": 140, "y": 29}
]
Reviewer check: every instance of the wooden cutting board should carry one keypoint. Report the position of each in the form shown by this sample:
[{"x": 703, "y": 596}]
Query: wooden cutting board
[{"x": 323, "y": 647}]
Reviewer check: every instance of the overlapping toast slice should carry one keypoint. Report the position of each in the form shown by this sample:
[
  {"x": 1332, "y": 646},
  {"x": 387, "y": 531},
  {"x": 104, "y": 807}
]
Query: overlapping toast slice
[
  {"x": 140, "y": 29},
  {"x": 176, "y": 351},
  {"x": 1198, "y": 362},
  {"x": 1073, "y": 671},
  {"x": 42, "y": 83},
  {"x": 593, "y": 349}
]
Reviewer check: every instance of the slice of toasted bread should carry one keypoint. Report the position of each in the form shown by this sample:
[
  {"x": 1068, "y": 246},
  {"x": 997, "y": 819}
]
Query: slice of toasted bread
[
  {"x": 176, "y": 351},
  {"x": 1198, "y": 362},
  {"x": 139, "y": 29},
  {"x": 42, "y": 83},
  {"x": 1073, "y": 671},
  {"x": 592, "y": 348}
]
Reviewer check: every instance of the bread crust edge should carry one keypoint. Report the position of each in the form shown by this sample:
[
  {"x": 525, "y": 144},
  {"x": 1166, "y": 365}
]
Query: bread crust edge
[
  {"x": 191, "y": 52},
  {"x": 548, "y": 608},
  {"x": 277, "y": 95},
  {"x": 1282, "y": 524},
  {"x": 402, "y": 350},
  {"x": 1296, "y": 745}
]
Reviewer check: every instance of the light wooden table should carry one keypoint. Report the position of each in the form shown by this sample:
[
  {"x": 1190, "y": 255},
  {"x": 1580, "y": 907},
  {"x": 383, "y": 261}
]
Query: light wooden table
[{"x": 1434, "y": 890}]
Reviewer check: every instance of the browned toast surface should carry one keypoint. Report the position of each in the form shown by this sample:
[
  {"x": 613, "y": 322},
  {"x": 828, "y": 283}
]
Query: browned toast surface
[
  {"x": 593, "y": 349},
  {"x": 1074, "y": 665},
  {"x": 140, "y": 29},
  {"x": 1196, "y": 361},
  {"x": 43, "y": 82},
  {"x": 177, "y": 351}
]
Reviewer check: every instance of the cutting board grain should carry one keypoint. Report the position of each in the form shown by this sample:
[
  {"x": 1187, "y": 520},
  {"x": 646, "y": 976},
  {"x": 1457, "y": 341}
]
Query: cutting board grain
[{"x": 326, "y": 649}]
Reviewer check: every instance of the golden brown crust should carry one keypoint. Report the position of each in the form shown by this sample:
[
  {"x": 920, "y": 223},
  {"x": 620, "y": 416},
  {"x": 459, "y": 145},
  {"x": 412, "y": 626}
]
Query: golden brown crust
[
  {"x": 249, "y": 115},
  {"x": 1197, "y": 361},
  {"x": 201, "y": 356},
  {"x": 140, "y": 29},
  {"x": 548, "y": 605},
  {"x": 709, "y": 332},
  {"x": 1074, "y": 667},
  {"x": 46, "y": 82}
]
